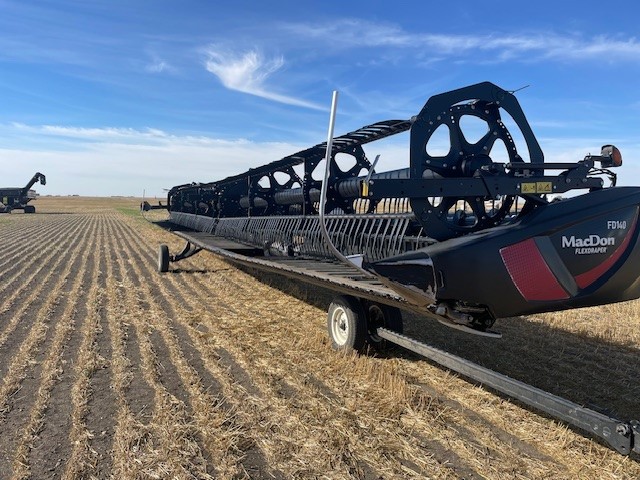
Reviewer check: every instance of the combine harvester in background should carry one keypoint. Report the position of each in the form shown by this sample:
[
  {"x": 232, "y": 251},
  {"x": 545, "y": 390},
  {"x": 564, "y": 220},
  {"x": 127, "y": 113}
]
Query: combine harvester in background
[
  {"x": 457, "y": 236},
  {"x": 16, "y": 198}
]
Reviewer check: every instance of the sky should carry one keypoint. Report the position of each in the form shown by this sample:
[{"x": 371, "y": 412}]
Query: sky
[{"x": 121, "y": 97}]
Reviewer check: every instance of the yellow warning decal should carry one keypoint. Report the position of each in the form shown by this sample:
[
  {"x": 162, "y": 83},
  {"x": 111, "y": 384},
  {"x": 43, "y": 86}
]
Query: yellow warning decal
[
  {"x": 365, "y": 189},
  {"x": 544, "y": 187},
  {"x": 536, "y": 187}
]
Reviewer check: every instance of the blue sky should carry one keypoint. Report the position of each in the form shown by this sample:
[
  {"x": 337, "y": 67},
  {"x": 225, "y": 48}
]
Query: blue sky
[{"x": 116, "y": 97}]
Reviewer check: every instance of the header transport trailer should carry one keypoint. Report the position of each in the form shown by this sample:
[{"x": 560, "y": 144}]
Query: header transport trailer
[
  {"x": 12, "y": 198},
  {"x": 457, "y": 236}
]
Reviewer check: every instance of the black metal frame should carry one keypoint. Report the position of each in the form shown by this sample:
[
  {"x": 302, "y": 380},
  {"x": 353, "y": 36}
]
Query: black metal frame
[
  {"x": 492, "y": 183},
  {"x": 188, "y": 251}
]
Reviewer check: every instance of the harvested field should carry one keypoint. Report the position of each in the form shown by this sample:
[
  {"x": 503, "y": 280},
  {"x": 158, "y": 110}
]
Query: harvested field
[{"x": 111, "y": 370}]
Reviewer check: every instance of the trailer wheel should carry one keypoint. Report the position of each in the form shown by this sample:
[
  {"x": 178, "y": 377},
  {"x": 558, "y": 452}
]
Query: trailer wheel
[
  {"x": 29, "y": 209},
  {"x": 163, "y": 259},
  {"x": 347, "y": 324},
  {"x": 380, "y": 315}
]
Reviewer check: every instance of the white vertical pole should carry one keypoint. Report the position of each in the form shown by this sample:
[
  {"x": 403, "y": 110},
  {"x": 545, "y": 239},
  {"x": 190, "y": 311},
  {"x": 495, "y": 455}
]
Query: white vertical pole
[{"x": 325, "y": 185}]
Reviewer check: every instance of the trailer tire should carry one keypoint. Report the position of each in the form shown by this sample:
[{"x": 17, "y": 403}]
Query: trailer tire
[
  {"x": 347, "y": 324},
  {"x": 163, "y": 259},
  {"x": 386, "y": 316},
  {"x": 29, "y": 209}
]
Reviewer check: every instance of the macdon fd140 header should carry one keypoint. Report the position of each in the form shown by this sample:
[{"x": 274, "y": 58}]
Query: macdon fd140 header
[{"x": 456, "y": 233}]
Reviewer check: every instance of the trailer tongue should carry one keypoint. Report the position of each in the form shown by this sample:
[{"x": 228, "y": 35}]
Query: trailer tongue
[{"x": 457, "y": 235}]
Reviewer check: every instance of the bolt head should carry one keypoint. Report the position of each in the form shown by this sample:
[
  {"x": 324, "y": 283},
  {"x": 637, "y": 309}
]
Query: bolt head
[{"x": 623, "y": 429}]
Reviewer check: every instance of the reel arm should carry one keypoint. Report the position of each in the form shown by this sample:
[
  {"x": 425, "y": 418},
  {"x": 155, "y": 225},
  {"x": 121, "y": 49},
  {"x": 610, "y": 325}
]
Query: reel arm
[{"x": 487, "y": 185}]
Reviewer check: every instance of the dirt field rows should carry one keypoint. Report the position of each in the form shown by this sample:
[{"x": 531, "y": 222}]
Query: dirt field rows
[{"x": 109, "y": 369}]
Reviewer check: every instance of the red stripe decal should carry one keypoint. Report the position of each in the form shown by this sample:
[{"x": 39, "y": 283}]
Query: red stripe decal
[
  {"x": 588, "y": 278},
  {"x": 530, "y": 273}
]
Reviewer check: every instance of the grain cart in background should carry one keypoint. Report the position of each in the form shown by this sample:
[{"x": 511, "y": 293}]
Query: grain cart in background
[
  {"x": 457, "y": 236},
  {"x": 18, "y": 198}
]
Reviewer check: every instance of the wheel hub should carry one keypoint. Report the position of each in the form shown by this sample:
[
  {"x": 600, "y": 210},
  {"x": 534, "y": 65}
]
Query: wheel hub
[{"x": 340, "y": 326}]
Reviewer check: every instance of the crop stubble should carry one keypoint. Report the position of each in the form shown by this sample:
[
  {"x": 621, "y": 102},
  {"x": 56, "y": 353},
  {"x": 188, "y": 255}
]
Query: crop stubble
[{"x": 109, "y": 369}]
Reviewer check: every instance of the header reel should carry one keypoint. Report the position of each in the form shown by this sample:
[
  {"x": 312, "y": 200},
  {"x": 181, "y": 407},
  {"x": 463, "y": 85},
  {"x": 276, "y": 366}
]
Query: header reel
[
  {"x": 466, "y": 158},
  {"x": 469, "y": 187},
  {"x": 465, "y": 190}
]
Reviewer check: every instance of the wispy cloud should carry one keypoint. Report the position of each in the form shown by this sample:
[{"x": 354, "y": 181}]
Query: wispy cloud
[
  {"x": 353, "y": 33},
  {"x": 248, "y": 73},
  {"x": 157, "y": 65},
  {"x": 93, "y": 135}
]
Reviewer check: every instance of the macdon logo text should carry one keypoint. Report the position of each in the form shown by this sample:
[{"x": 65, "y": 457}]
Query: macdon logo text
[{"x": 588, "y": 245}]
